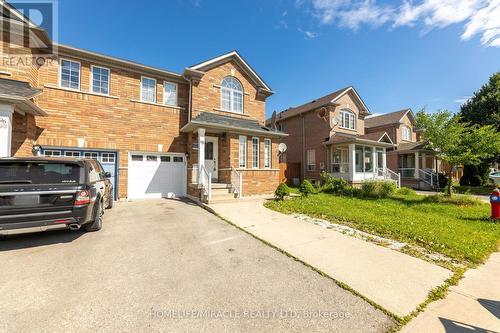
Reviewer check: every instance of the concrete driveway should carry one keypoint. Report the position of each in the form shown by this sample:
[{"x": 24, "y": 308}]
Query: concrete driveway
[{"x": 168, "y": 265}]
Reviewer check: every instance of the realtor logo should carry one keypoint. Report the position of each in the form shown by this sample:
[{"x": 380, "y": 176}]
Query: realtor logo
[{"x": 28, "y": 26}]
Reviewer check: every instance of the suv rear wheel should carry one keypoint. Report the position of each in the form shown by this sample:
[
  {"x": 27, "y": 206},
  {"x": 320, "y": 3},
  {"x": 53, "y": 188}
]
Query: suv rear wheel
[{"x": 97, "y": 224}]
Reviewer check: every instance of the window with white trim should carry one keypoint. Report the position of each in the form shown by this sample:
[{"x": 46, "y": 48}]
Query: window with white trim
[
  {"x": 169, "y": 93},
  {"x": 311, "y": 160},
  {"x": 406, "y": 132},
  {"x": 90, "y": 155},
  {"x": 50, "y": 153},
  {"x": 70, "y": 74},
  {"x": 340, "y": 160},
  {"x": 148, "y": 90},
  {"x": 100, "y": 80},
  {"x": 347, "y": 119},
  {"x": 72, "y": 153},
  {"x": 267, "y": 153},
  {"x": 108, "y": 158},
  {"x": 255, "y": 153},
  {"x": 231, "y": 95},
  {"x": 243, "y": 151}
]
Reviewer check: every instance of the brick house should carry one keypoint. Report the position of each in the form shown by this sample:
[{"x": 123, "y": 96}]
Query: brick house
[
  {"x": 416, "y": 164},
  {"x": 159, "y": 133},
  {"x": 328, "y": 134}
]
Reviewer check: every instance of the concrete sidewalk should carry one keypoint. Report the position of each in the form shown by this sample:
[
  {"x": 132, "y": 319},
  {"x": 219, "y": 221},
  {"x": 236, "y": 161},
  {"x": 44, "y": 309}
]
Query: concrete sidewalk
[
  {"x": 395, "y": 281},
  {"x": 483, "y": 198},
  {"x": 471, "y": 306}
]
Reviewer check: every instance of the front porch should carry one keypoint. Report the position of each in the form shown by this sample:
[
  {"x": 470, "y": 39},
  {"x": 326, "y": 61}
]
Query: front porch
[
  {"x": 230, "y": 158},
  {"x": 360, "y": 160}
]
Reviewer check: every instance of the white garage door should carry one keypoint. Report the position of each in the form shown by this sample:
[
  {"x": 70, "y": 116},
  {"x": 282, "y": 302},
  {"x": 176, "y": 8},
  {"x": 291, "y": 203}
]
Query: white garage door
[{"x": 156, "y": 175}]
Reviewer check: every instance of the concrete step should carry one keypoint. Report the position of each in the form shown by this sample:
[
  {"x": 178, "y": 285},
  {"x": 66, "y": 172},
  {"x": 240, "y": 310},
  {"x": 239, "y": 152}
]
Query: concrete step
[
  {"x": 220, "y": 195},
  {"x": 216, "y": 191},
  {"x": 221, "y": 185}
]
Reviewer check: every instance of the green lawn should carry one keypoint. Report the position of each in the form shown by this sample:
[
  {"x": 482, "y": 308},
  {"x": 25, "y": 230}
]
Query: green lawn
[
  {"x": 462, "y": 232},
  {"x": 478, "y": 190}
]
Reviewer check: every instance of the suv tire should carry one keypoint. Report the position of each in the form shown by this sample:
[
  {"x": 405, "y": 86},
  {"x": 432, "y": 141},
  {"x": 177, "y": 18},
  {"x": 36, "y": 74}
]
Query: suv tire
[{"x": 97, "y": 223}]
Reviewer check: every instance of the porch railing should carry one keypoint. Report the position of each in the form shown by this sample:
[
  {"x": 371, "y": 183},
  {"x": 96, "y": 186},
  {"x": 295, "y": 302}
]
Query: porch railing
[
  {"x": 388, "y": 174},
  {"x": 206, "y": 182},
  {"x": 236, "y": 181},
  {"x": 407, "y": 172},
  {"x": 428, "y": 177}
]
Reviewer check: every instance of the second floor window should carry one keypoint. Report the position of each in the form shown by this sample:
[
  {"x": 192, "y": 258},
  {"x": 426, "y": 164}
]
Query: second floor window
[
  {"x": 347, "y": 119},
  {"x": 100, "y": 80},
  {"x": 170, "y": 93},
  {"x": 231, "y": 95},
  {"x": 70, "y": 74},
  {"x": 148, "y": 90},
  {"x": 406, "y": 132}
]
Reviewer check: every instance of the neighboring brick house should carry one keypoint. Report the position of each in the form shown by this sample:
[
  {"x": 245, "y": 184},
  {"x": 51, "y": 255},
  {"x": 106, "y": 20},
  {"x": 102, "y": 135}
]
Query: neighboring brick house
[
  {"x": 328, "y": 134},
  {"x": 153, "y": 129},
  {"x": 416, "y": 164}
]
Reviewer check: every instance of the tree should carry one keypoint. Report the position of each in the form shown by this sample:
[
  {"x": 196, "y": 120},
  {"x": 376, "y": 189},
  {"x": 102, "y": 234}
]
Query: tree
[
  {"x": 457, "y": 142},
  {"x": 483, "y": 108}
]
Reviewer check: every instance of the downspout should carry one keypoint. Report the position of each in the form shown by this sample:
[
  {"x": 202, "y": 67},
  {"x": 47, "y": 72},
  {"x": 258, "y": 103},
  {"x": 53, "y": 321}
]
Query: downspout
[
  {"x": 303, "y": 149},
  {"x": 189, "y": 99}
]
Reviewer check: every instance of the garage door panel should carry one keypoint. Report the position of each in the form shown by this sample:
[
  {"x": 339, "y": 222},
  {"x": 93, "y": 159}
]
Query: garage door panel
[{"x": 156, "y": 178}]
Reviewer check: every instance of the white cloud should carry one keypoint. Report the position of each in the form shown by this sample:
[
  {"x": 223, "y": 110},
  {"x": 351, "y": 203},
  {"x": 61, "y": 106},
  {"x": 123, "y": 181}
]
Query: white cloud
[
  {"x": 462, "y": 99},
  {"x": 480, "y": 17},
  {"x": 308, "y": 34}
]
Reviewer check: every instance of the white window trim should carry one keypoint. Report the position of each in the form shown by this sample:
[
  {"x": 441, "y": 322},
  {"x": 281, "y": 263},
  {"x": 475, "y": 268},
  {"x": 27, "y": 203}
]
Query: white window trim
[
  {"x": 269, "y": 151},
  {"x": 176, "y": 93},
  {"x": 92, "y": 79},
  {"x": 72, "y": 151},
  {"x": 245, "y": 151},
  {"x": 232, "y": 98},
  {"x": 91, "y": 153},
  {"x": 341, "y": 124},
  {"x": 79, "y": 74},
  {"x": 406, "y": 128},
  {"x": 109, "y": 154},
  {"x": 52, "y": 151},
  {"x": 258, "y": 153},
  {"x": 313, "y": 164},
  {"x": 156, "y": 83}
]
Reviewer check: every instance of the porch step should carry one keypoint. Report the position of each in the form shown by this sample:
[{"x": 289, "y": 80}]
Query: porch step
[{"x": 220, "y": 185}]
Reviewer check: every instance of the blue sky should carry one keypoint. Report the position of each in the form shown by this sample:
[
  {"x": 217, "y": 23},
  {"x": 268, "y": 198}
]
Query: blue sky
[{"x": 396, "y": 54}]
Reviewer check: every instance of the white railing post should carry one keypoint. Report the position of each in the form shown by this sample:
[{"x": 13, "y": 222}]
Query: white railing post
[
  {"x": 209, "y": 187},
  {"x": 399, "y": 180},
  {"x": 240, "y": 180}
]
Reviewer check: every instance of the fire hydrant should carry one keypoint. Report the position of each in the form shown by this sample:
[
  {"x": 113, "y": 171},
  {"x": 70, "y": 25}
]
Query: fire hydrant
[{"x": 495, "y": 204}]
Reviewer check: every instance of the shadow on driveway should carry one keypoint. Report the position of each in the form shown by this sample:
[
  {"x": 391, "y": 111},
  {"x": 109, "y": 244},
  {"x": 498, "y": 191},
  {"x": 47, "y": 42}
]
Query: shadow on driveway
[{"x": 22, "y": 241}]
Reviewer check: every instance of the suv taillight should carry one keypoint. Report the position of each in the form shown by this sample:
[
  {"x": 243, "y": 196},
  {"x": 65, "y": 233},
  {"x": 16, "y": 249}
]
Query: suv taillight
[{"x": 82, "y": 198}]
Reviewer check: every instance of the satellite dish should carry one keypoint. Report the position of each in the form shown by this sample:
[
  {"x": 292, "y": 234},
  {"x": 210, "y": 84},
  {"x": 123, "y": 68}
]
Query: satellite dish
[
  {"x": 322, "y": 113},
  {"x": 282, "y": 147},
  {"x": 273, "y": 121}
]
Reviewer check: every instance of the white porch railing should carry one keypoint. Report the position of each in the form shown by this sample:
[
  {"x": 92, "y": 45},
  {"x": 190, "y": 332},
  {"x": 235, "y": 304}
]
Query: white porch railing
[
  {"x": 407, "y": 172},
  {"x": 206, "y": 182},
  {"x": 428, "y": 177},
  {"x": 236, "y": 181},
  {"x": 388, "y": 174}
]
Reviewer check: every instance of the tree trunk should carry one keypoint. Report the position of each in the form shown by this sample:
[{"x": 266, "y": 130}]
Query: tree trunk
[{"x": 448, "y": 187}]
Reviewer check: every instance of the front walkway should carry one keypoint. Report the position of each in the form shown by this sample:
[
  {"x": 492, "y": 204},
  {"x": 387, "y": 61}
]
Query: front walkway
[
  {"x": 391, "y": 279},
  {"x": 471, "y": 306}
]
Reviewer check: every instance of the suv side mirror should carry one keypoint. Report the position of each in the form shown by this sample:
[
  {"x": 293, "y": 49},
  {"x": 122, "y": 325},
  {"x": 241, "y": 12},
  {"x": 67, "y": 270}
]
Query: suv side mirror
[{"x": 107, "y": 175}]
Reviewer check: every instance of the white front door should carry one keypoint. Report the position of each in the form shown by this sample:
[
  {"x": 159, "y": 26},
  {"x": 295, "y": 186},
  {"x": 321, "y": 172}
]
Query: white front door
[{"x": 212, "y": 156}]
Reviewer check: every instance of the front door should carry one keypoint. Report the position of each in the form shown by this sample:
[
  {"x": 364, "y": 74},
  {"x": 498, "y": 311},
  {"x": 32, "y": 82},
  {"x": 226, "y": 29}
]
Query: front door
[{"x": 212, "y": 156}]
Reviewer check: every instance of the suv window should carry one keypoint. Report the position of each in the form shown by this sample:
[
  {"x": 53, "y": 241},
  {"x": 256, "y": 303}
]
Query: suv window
[{"x": 39, "y": 172}]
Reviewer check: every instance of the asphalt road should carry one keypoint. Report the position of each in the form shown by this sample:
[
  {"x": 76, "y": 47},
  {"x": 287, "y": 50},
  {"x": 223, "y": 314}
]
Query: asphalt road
[{"x": 168, "y": 266}]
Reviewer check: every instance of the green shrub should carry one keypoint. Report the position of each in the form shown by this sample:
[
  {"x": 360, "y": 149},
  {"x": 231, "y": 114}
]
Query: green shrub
[
  {"x": 307, "y": 188},
  {"x": 459, "y": 200},
  {"x": 282, "y": 191},
  {"x": 377, "y": 189},
  {"x": 406, "y": 191}
]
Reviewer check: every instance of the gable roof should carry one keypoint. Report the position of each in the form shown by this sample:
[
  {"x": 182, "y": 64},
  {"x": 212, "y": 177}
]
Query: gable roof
[
  {"x": 377, "y": 136},
  {"x": 379, "y": 139},
  {"x": 322, "y": 101},
  {"x": 20, "y": 94},
  {"x": 233, "y": 55},
  {"x": 389, "y": 118}
]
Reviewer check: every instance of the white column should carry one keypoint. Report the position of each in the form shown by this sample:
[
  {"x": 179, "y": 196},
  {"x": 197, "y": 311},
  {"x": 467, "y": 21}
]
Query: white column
[
  {"x": 374, "y": 161},
  {"x": 6, "y": 111},
  {"x": 201, "y": 152},
  {"x": 434, "y": 166},
  {"x": 416, "y": 165},
  {"x": 424, "y": 161},
  {"x": 352, "y": 161},
  {"x": 384, "y": 159}
]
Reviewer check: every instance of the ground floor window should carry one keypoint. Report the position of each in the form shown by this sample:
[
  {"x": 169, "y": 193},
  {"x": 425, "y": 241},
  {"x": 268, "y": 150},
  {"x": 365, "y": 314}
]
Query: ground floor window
[
  {"x": 364, "y": 159},
  {"x": 340, "y": 160},
  {"x": 243, "y": 151},
  {"x": 267, "y": 153},
  {"x": 311, "y": 160},
  {"x": 380, "y": 158}
]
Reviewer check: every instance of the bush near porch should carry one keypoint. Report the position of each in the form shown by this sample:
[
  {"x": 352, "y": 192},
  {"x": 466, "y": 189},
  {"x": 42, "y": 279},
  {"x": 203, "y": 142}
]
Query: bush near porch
[{"x": 459, "y": 229}]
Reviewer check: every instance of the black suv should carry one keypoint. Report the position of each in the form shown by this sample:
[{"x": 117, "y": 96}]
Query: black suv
[{"x": 40, "y": 193}]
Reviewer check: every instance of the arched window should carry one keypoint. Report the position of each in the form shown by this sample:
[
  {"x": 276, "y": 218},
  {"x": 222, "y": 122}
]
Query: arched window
[
  {"x": 231, "y": 95},
  {"x": 347, "y": 119},
  {"x": 406, "y": 131}
]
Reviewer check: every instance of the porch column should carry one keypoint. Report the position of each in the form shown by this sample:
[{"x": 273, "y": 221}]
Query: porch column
[
  {"x": 201, "y": 152},
  {"x": 352, "y": 161},
  {"x": 374, "y": 162},
  {"x": 6, "y": 112},
  {"x": 424, "y": 161},
  {"x": 416, "y": 165},
  {"x": 434, "y": 167},
  {"x": 384, "y": 160}
]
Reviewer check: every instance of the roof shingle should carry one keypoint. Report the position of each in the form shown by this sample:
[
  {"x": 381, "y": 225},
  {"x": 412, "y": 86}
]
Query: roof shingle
[
  {"x": 17, "y": 89},
  {"x": 385, "y": 119}
]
